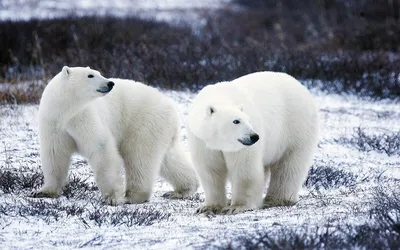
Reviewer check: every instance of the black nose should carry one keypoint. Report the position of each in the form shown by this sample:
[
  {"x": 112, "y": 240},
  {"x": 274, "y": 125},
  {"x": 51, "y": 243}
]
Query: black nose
[
  {"x": 110, "y": 85},
  {"x": 254, "y": 138}
]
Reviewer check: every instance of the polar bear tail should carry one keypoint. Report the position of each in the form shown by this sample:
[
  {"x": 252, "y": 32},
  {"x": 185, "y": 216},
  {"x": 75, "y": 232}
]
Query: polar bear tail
[{"x": 178, "y": 170}]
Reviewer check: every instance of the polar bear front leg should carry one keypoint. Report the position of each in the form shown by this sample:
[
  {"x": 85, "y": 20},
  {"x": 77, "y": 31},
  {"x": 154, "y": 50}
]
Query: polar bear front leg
[
  {"x": 106, "y": 164},
  {"x": 287, "y": 178},
  {"x": 246, "y": 174},
  {"x": 55, "y": 154},
  {"x": 108, "y": 177},
  {"x": 211, "y": 169},
  {"x": 213, "y": 180}
]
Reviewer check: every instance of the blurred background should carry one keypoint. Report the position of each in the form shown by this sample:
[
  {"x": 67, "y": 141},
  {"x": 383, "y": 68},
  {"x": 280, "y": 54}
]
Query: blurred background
[{"x": 336, "y": 46}]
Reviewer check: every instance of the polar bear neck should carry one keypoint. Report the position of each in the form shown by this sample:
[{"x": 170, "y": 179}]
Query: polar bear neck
[{"x": 56, "y": 104}]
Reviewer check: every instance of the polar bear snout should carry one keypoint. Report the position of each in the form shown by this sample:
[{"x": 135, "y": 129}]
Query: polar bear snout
[
  {"x": 110, "y": 85},
  {"x": 106, "y": 89},
  {"x": 254, "y": 138},
  {"x": 250, "y": 140}
]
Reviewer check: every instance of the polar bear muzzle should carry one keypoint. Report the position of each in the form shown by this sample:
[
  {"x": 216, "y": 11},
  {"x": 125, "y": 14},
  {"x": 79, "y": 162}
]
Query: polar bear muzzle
[
  {"x": 106, "y": 89},
  {"x": 248, "y": 141}
]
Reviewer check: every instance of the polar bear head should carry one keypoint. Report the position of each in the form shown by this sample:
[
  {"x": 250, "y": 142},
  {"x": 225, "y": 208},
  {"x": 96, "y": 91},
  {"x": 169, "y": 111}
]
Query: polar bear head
[
  {"x": 84, "y": 84},
  {"x": 224, "y": 128}
]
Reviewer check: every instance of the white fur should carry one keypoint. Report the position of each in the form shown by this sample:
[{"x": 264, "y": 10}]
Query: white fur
[
  {"x": 284, "y": 115},
  {"x": 133, "y": 125}
]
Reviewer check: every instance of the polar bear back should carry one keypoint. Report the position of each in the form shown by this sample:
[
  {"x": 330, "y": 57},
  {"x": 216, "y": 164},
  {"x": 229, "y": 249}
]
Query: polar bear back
[{"x": 131, "y": 104}]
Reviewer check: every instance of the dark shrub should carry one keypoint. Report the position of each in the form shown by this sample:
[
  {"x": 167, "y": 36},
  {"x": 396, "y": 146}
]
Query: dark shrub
[
  {"x": 13, "y": 181},
  {"x": 351, "y": 48},
  {"x": 126, "y": 216},
  {"x": 388, "y": 143},
  {"x": 328, "y": 178},
  {"x": 382, "y": 231}
]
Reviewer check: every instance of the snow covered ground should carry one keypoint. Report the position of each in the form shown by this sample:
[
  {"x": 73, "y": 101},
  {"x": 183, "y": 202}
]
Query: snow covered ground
[
  {"x": 339, "y": 190},
  {"x": 172, "y": 11}
]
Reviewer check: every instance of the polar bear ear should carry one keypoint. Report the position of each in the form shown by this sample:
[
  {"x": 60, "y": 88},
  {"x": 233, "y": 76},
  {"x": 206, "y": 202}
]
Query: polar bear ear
[
  {"x": 240, "y": 107},
  {"x": 66, "y": 70},
  {"x": 87, "y": 67},
  {"x": 210, "y": 110}
]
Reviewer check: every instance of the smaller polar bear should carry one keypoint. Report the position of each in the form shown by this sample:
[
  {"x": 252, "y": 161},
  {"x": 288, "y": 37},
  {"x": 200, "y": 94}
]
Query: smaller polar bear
[
  {"x": 260, "y": 126},
  {"x": 112, "y": 122}
]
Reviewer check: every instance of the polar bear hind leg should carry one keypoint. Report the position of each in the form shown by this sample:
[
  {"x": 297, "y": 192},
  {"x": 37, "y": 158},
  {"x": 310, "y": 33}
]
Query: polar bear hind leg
[
  {"x": 142, "y": 162},
  {"x": 178, "y": 170}
]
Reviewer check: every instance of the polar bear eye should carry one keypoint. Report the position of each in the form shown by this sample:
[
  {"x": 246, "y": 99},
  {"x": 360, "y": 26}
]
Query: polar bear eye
[
  {"x": 90, "y": 76},
  {"x": 236, "y": 121}
]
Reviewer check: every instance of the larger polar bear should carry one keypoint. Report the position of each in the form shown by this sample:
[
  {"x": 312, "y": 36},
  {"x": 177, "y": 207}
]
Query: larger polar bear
[
  {"x": 260, "y": 126},
  {"x": 112, "y": 122}
]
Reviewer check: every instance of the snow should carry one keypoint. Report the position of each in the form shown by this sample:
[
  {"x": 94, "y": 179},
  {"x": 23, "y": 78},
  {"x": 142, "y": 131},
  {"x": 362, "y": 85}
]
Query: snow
[
  {"x": 172, "y": 11},
  {"x": 182, "y": 229}
]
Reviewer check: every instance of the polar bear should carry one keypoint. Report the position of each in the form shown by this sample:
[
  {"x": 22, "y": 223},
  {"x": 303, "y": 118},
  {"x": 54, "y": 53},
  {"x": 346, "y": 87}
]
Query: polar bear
[
  {"x": 258, "y": 129},
  {"x": 112, "y": 122}
]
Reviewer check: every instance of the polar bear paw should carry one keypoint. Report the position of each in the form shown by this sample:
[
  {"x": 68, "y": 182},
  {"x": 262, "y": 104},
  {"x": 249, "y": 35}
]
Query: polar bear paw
[
  {"x": 235, "y": 209},
  {"x": 136, "y": 197},
  {"x": 274, "y": 202},
  {"x": 183, "y": 194},
  {"x": 213, "y": 209},
  {"x": 113, "y": 197},
  {"x": 112, "y": 200}
]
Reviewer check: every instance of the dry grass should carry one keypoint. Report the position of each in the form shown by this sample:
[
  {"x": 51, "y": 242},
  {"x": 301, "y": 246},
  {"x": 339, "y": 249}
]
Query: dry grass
[{"x": 352, "y": 49}]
